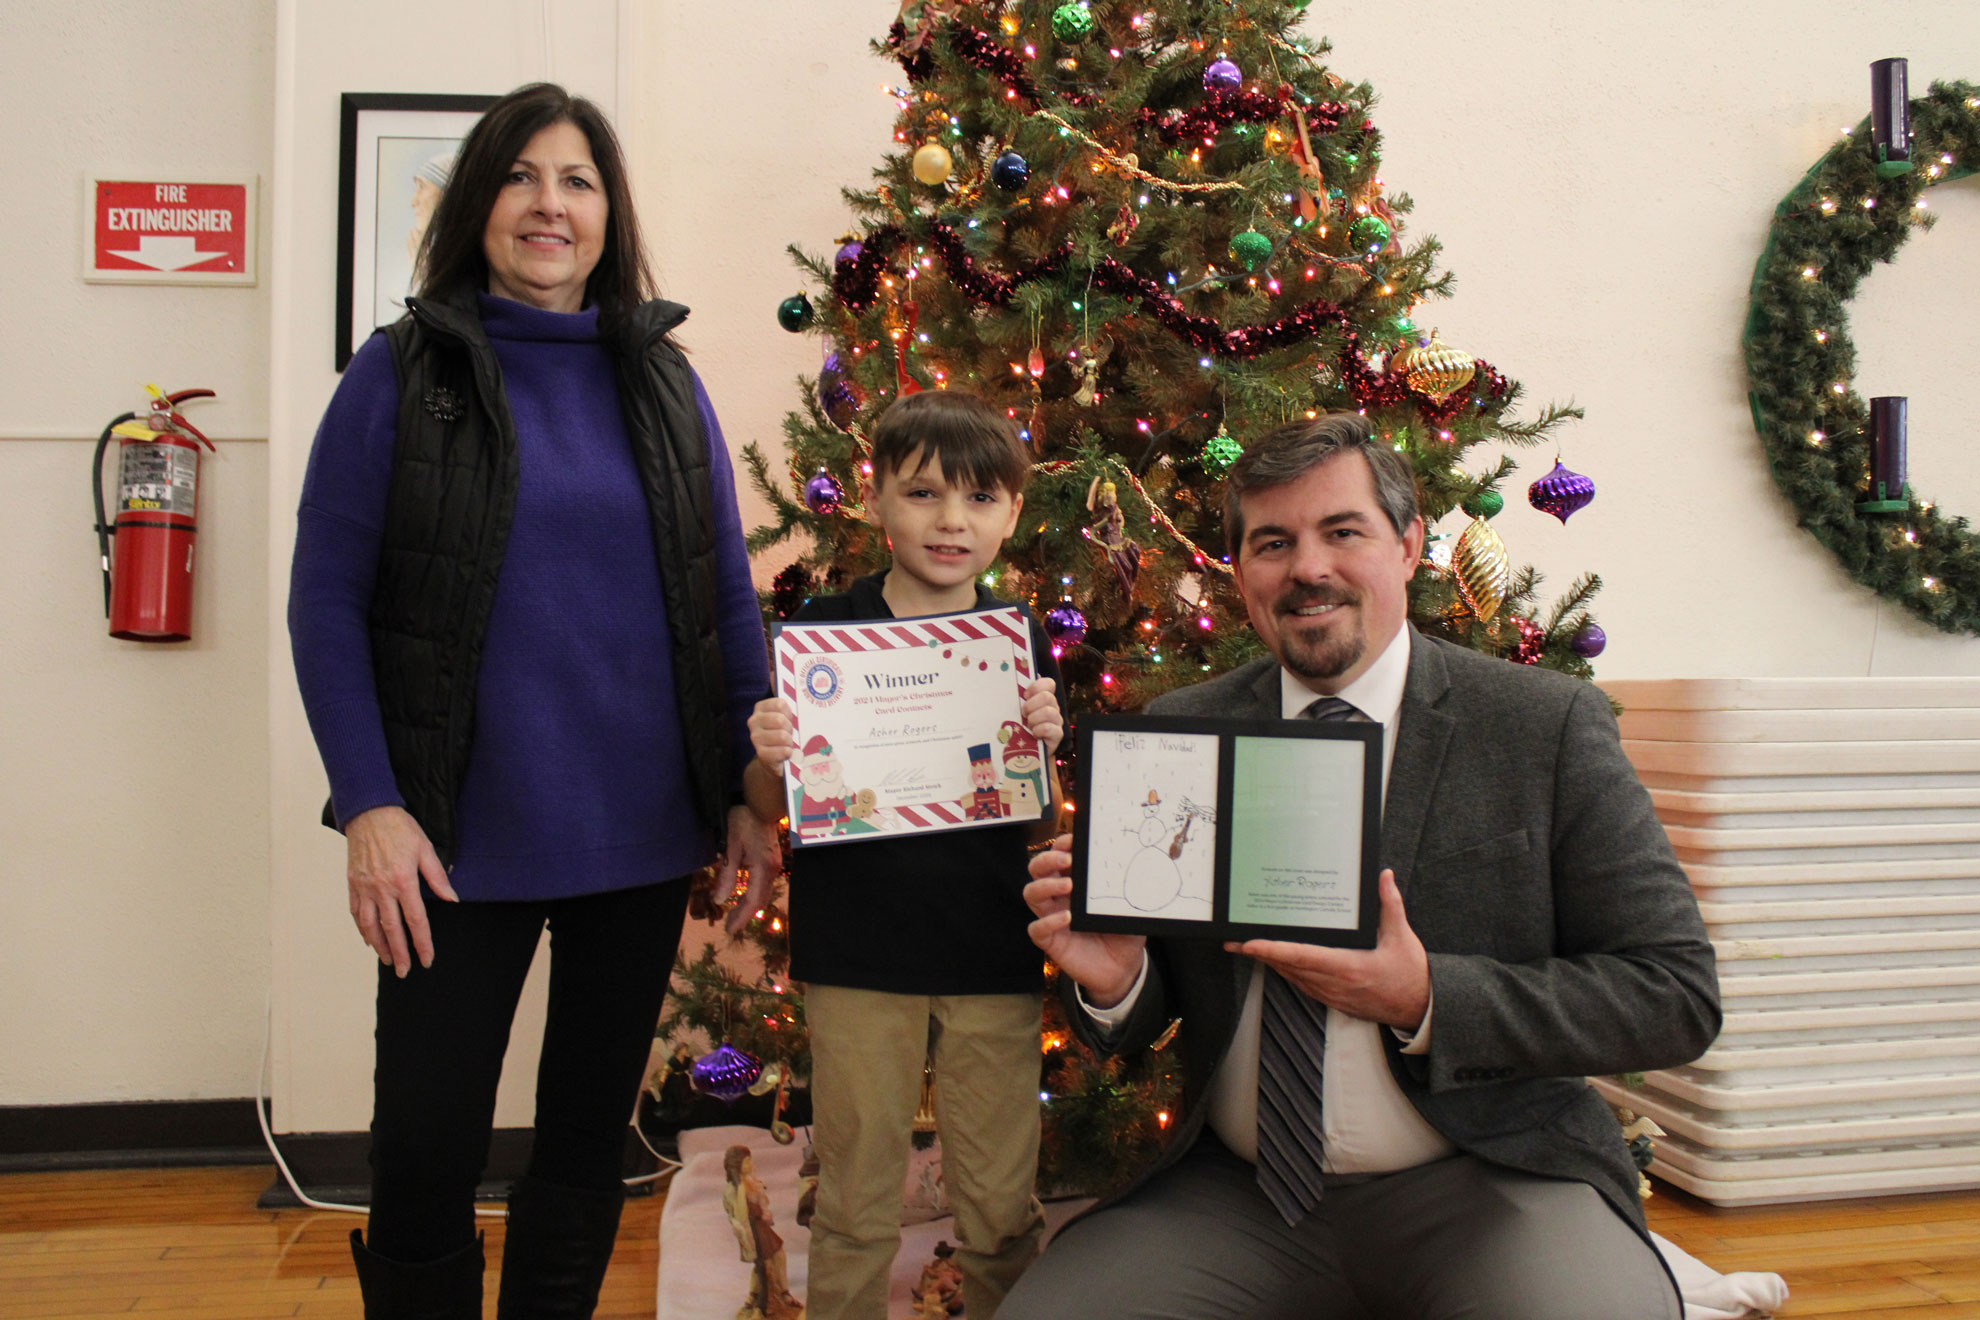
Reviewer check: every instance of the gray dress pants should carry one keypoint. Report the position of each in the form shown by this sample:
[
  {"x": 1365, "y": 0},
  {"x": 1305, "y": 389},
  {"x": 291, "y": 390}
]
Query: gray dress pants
[{"x": 1455, "y": 1238}]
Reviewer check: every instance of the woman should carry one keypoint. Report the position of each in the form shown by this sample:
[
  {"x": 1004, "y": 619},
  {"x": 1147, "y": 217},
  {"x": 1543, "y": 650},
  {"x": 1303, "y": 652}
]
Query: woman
[{"x": 527, "y": 641}]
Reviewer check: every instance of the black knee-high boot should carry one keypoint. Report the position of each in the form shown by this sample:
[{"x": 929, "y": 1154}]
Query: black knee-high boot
[
  {"x": 444, "y": 1289},
  {"x": 558, "y": 1245}
]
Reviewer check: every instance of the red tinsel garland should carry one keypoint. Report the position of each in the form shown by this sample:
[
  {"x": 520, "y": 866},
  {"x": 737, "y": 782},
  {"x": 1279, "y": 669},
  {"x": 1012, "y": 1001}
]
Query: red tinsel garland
[
  {"x": 1378, "y": 389},
  {"x": 856, "y": 283},
  {"x": 1220, "y": 108},
  {"x": 981, "y": 50},
  {"x": 1202, "y": 332}
]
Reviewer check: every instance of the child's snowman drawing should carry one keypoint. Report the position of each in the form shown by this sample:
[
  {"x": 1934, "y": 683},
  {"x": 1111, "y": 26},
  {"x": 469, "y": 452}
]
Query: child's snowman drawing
[{"x": 1152, "y": 845}]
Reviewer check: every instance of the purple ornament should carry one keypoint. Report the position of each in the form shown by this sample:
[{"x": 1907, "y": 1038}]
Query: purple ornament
[
  {"x": 725, "y": 1073},
  {"x": 1589, "y": 641},
  {"x": 837, "y": 398},
  {"x": 1561, "y": 492},
  {"x": 1223, "y": 76},
  {"x": 1065, "y": 625},
  {"x": 823, "y": 493},
  {"x": 849, "y": 253}
]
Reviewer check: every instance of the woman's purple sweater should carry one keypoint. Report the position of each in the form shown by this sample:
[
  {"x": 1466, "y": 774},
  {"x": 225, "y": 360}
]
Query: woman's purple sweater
[{"x": 577, "y": 780}]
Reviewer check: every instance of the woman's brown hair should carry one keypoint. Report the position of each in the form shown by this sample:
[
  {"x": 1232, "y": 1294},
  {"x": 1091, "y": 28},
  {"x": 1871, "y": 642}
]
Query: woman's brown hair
[{"x": 451, "y": 257}]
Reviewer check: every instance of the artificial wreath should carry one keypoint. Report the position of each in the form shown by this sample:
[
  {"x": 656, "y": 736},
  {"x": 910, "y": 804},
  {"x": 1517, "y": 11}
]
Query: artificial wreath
[{"x": 1842, "y": 217}]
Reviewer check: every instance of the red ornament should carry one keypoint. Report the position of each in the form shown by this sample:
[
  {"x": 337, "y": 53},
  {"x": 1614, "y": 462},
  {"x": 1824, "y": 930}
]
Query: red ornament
[{"x": 1532, "y": 637}]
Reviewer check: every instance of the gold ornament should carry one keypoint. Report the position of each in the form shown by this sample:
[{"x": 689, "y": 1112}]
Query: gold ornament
[
  {"x": 933, "y": 164},
  {"x": 1483, "y": 569},
  {"x": 1437, "y": 371}
]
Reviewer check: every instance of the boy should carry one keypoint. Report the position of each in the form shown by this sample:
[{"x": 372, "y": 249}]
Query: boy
[{"x": 916, "y": 947}]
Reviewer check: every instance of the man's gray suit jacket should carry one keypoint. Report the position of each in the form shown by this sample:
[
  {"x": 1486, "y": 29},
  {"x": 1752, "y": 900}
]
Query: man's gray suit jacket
[{"x": 1563, "y": 938}]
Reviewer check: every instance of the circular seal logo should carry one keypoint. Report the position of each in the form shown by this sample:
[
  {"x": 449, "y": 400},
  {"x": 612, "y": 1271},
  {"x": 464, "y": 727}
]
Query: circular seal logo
[{"x": 821, "y": 681}]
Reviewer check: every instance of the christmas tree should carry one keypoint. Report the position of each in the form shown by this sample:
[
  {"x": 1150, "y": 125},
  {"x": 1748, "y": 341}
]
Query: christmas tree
[{"x": 1151, "y": 232}]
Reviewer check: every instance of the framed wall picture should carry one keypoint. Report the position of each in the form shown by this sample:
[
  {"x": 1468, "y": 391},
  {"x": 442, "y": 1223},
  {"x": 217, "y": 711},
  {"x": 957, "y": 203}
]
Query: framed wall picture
[
  {"x": 1228, "y": 829},
  {"x": 395, "y": 157}
]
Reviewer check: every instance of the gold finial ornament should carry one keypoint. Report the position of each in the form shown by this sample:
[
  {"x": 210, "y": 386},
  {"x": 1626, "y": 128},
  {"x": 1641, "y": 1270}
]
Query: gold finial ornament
[
  {"x": 1438, "y": 371},
  {"x": 1484, "y": 569}
]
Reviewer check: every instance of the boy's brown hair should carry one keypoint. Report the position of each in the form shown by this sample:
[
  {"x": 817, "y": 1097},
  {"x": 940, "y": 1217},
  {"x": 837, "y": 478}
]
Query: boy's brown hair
[{"x": 970, "y": 441}]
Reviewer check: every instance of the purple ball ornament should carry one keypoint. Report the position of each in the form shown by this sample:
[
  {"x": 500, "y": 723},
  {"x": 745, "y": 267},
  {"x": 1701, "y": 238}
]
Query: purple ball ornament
[
  {"x": 725, "y": 1072},
  {"x": 1589, "y": 641},
  {"x": 1065, "y": 625},
  {"x": 849, "y": 253},
  {"x": 1223, "y": 75},
  {"x": 823, "y": 494},
  {"x": 837, "y": 398},
  {"x": 1561, "y": 492}
]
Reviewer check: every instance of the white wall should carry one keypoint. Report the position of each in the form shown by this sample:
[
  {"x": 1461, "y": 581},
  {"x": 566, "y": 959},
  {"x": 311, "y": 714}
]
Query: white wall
[
  {"x": 1601, "y": 177},
  {"x": 133, "y": 778}
]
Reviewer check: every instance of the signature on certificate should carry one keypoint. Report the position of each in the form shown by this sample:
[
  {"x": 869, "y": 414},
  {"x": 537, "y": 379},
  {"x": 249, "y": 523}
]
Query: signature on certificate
[{"x": 903, "y": 777}]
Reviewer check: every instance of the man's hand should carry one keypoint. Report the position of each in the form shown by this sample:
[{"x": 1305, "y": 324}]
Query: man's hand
[
  {"x": 1105, "y": 966},
  {"x": 753, "y": 847},
  {"x": 1389, "y": 984},
  {"x": 388, "y": 855},
  {"x": 1042, "y": 715},
  {"x": 773, "y": 732}
]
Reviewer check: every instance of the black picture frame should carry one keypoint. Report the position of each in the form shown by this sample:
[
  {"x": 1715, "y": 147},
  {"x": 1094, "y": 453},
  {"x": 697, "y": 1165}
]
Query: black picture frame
[
  {"x": 364, "y": 118},
  {"x": 1348, "y": 744}
]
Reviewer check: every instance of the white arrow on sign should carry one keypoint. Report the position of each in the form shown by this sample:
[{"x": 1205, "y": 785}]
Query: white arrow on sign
[{"x": 167, "y": 252}]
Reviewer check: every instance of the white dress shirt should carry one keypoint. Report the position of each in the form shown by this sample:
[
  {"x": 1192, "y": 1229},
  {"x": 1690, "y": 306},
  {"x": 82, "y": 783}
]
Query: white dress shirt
[{"x": 1368, "y": 1125}]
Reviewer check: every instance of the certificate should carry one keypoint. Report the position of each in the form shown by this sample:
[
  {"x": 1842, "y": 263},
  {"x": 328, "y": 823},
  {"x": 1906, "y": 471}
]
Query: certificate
[
  {"x": 909, "y": 726},
  {"x": 1228, "y": 829}
]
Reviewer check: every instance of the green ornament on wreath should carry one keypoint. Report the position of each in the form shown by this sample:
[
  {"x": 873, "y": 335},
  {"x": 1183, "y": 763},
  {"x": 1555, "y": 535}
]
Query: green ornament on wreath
[{"x": 1843, "y": 217}]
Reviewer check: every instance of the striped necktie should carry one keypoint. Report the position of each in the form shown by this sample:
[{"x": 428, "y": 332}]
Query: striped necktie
[{"x": 1292, "y": 1042}]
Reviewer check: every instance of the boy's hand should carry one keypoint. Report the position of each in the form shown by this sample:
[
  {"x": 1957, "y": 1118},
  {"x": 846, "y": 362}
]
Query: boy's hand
[
  {"x": 1042, "y": 715},
  {"x": 773, "y": 732}
]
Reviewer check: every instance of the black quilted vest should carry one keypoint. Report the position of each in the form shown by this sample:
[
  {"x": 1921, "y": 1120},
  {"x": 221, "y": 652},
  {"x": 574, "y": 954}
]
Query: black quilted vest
[{"x": 453, "y": 496}]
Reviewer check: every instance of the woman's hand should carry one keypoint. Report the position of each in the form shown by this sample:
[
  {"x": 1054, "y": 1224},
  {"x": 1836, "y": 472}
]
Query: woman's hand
[
  {"x": 1105, "y": 966},
  {"x": 773, "y": 732},
  {"x": 1042, "y": 715},
  {"x": 754, "y": 846},
  {"x": 389, "y": 854}
]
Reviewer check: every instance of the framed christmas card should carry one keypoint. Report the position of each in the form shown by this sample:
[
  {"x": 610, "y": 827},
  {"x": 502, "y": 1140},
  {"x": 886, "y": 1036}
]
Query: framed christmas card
[{"x": 1228, "y": 829}]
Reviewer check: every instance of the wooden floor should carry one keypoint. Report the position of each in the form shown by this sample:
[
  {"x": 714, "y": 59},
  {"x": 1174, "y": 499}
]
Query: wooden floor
[{"x": 189, "y": 1245}]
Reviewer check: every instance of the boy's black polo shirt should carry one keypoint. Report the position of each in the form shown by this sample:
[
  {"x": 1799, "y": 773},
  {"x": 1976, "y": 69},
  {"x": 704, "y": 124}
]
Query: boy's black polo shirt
[{"x": 929, "y": 914}]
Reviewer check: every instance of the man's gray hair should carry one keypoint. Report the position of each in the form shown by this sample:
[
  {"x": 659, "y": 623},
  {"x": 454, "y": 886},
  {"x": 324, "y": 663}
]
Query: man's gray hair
[{"x": 1289, "y": 453}]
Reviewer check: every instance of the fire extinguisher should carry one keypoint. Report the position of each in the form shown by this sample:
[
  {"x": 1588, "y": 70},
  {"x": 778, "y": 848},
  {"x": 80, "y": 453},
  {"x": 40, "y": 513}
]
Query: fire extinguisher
[{"x": 148, "y": 594}]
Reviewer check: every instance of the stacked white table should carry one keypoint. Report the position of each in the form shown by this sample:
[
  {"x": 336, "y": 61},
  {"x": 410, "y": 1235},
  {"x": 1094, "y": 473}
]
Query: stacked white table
[{"x": 1831, "y": 830}]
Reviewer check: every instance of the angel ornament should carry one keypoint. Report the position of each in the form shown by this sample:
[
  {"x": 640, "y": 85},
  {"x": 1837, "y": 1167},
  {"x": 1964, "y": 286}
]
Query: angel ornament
[
  {"x": 1088, "y": 392},
  {"x": 748, "y": 1206},
  {"x": 1109, "y": 532}
]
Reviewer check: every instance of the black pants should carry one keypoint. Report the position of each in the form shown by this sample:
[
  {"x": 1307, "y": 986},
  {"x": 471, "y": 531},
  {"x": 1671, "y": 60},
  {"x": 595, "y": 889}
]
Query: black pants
[{"x": 442, "y": 1032}]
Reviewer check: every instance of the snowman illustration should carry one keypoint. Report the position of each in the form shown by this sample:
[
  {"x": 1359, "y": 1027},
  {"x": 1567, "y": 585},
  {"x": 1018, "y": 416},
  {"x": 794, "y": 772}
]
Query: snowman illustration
[{"x": 1153, "y": 879}]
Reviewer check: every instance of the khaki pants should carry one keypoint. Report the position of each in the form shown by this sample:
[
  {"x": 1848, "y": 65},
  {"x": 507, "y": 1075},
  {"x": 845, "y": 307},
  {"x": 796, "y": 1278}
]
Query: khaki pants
[{"x": 867, "y": 1051}]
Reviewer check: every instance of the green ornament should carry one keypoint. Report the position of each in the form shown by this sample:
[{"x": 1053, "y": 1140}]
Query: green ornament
[
  {"x": 1219, "y": 452},
  {"x": 1250, "y": 249},
  {"x": 1485, "y": 504},
  {"x": 1369, "y": 232},
  {"x": 794, "y": 313},
  {"x": 1072, "y": 22}
]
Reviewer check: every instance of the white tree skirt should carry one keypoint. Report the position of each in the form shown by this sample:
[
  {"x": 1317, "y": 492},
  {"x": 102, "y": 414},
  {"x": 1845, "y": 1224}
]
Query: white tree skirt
[{"x": 703, "y": 1277}]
